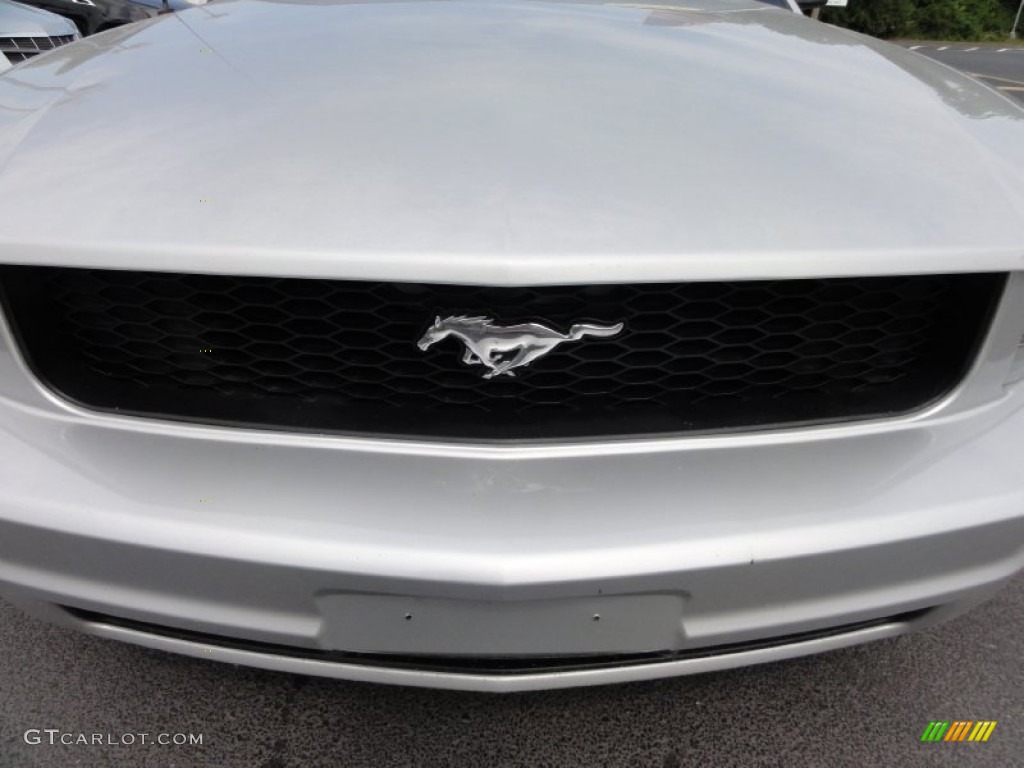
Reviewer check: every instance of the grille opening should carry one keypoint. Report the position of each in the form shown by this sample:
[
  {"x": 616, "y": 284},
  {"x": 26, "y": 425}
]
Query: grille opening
[
  {"x": 21, "y": 48},
  {"x": 342, "y": 357},
  {"x": 487, "y": 665}
]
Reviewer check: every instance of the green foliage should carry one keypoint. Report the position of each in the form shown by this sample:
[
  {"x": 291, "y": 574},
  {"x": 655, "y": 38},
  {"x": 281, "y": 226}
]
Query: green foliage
[{"x": 927, "y": 19}]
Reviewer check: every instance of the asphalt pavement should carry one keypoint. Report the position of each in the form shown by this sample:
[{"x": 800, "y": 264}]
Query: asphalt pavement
[
  {"x": 865, "y": 706},
  {"x": 1000, "y": 66}
]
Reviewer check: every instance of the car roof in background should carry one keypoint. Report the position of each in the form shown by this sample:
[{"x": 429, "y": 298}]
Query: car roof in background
[{"x": 17, "y": 20}]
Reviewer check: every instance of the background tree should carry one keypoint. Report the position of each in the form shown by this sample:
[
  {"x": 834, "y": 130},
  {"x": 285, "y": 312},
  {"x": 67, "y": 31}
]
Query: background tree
[{"x": 927, "y": 19}]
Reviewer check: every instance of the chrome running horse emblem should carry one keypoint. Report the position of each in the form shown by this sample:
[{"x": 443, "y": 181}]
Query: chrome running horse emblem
[{"x": 502, "y": 348}]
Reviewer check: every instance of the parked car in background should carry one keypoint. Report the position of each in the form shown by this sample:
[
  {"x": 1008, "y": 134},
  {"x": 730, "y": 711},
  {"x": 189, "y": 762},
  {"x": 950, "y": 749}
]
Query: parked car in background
[
  {"x": 801, "y": 6},
  {"x": 26, "y": 32},
  {"x": 92, "y": 16},
  {"x": 507, "y": 345}
]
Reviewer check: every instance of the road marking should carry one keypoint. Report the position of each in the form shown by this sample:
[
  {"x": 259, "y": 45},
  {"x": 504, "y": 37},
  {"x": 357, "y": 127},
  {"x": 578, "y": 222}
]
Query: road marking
[
  {"x": 915, "y": 47},
  {"x": 968, "y": 50},
  {"x": 1015, "y": 86},
  {"x": 1011, "y": 81},
  {"x": 943, "y": 48},
  {"x": 1002, "y": 50}
]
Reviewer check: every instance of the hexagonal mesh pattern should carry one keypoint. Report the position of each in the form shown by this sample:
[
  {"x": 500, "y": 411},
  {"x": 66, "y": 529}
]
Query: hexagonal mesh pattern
[{"x": 332, "y": 356}]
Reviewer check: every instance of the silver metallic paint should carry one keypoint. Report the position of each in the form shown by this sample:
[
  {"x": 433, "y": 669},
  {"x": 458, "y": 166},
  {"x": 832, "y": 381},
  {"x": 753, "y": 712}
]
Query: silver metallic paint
[{"x": 506, "y": 142}]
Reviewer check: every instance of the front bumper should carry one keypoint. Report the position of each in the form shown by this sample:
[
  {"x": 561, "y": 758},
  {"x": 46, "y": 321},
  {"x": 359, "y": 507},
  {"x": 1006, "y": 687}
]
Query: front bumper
[
  {"x": 602, "y": 563},
  {"x": 489, "y": 567}
]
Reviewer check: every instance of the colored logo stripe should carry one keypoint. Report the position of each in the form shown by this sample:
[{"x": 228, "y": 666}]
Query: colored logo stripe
[
  {"x": 958, "y": 730},
  {"x": 982, "y": 730}
]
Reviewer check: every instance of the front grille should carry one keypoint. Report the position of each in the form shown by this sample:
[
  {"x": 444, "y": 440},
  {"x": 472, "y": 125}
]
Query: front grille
[
  {"x": 336, "y": 356},
  {"x": 20, "y": 48}
]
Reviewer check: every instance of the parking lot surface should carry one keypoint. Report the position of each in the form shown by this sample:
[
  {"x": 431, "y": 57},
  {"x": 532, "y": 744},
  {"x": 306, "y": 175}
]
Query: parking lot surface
[{"x": 999, "y": 66}]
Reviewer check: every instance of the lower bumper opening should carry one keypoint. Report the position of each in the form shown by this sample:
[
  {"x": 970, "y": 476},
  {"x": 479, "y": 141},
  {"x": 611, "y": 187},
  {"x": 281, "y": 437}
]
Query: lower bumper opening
[{"x": 482, "y": 664}]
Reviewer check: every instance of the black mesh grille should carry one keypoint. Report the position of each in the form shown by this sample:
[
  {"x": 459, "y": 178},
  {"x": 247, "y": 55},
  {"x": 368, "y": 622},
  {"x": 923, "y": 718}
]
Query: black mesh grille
[
  {"x": 339, "y": 356},
  {"x": 20, "y": 48}
]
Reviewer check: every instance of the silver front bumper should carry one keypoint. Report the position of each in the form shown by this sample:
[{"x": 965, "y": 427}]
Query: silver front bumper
[{"x": 320, "y": 543}]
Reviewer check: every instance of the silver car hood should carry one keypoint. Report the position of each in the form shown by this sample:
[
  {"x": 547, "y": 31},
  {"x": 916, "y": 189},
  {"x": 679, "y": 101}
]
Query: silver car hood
[{"x": 507, "y": 142}]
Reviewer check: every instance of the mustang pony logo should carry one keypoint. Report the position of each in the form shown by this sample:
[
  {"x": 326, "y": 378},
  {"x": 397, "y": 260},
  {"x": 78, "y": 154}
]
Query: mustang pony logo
[{"x": 501, "y": 348}]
